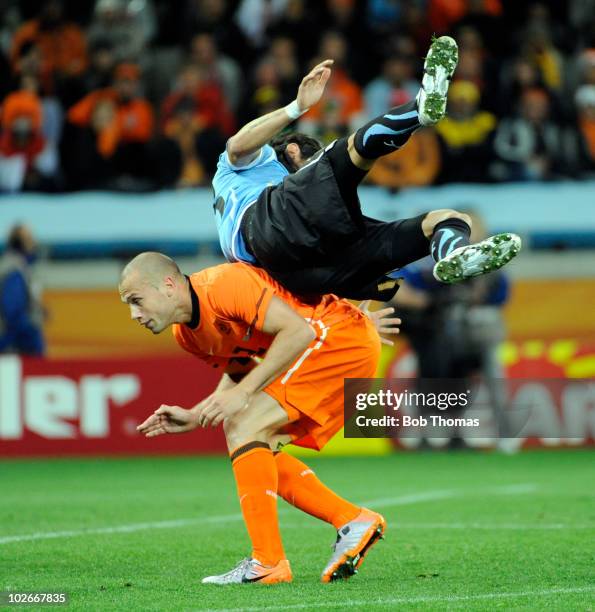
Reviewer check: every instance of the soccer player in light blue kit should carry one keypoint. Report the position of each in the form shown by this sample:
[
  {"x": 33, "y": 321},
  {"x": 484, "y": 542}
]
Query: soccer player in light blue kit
[{"x": 292, "y": 207}]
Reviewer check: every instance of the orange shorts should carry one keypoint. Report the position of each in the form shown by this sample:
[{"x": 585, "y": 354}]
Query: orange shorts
[{"x": 311, "y": 391}]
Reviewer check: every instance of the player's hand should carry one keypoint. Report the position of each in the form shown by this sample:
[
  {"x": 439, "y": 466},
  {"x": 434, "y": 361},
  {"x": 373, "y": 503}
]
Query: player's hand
[
  {"x": 383, "y": 322},
  {"x": 168, "y": 419},
  {"x": 220, "y": 405},
  {"x": 312, "y": 86}
]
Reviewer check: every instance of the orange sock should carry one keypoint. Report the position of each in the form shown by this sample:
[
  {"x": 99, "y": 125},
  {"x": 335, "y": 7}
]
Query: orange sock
[
  {"x": 299, "y": 486},
  {"x": 256, "y": 478}
]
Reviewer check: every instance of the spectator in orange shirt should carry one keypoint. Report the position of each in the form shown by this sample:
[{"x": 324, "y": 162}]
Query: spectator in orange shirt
[
  {"x": 131, "y": 117},
  {"x": 22, "y": 144},
  {"x": 110, "y": 131},
  {"x": 62, "y": 44},
  {"x": 21, "y": 125}
]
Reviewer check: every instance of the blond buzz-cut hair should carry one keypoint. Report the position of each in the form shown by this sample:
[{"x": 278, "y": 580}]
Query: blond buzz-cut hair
[{"x": 152, "y": 267}]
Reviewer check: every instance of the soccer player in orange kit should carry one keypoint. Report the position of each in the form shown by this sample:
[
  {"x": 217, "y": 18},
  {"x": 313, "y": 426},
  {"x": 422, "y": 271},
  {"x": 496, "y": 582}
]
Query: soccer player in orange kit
[{"x": 229, "y": 315}]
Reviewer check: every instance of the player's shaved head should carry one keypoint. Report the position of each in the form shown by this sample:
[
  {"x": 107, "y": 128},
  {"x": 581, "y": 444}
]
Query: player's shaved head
[
  {"x": 150, "y": 267},
  {"x": 156, "y": 291}
]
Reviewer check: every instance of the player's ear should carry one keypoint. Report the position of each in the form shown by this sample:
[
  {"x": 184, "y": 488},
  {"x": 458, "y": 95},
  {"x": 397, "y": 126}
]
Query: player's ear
[
  {"x": 293, "y": 152},
  {"x": 170, "y": 283}
]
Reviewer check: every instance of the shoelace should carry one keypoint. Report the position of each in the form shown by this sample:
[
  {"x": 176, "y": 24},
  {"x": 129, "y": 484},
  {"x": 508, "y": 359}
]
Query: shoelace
[{"x": 237, "y": 571}]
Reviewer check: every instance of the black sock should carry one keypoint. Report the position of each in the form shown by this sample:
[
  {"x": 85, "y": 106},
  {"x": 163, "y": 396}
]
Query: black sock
[
  {"x": 388, "y": 132},
  {"x": 449, "y": 235}
]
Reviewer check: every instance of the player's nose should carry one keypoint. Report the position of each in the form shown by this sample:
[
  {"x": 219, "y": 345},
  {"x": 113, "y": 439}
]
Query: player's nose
[{"x": 135, "y": 313}]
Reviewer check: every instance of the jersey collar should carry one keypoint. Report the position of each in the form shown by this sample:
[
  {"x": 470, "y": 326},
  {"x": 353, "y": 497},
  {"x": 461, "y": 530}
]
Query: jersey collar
[{"x": 195, "y": 320}]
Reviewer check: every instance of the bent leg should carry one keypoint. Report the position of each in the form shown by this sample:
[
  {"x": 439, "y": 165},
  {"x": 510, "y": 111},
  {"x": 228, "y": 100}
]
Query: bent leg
[
  {"x": 391, "y": 131},
  {"x": 357, "y": 271},
  {"x": 299, "y": 486}
]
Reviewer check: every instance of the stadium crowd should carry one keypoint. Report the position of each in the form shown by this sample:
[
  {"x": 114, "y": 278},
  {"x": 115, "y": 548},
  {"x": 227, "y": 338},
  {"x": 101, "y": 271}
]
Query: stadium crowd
[{"x": 138, "y": 95}]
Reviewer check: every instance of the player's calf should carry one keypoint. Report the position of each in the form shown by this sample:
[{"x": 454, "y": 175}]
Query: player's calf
[{"x": 447, "y": 230}]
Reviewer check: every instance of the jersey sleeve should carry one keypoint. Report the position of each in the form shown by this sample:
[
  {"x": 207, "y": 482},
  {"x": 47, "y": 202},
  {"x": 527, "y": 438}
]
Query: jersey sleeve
[
  {"x": 241, "y": 294},
  {"x": 265, "y": 155}
]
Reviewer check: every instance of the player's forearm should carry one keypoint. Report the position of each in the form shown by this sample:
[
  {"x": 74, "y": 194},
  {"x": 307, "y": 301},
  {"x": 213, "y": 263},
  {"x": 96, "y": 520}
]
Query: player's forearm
[
  {"x": 225, "y": 383},
  {"x": 284, "y": 350},
  {"x": 257, "y": 133}
]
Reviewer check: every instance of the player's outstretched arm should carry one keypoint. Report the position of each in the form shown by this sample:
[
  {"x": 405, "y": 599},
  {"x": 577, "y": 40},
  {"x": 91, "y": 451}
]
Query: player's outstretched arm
[{"x": 243, "y": 146}]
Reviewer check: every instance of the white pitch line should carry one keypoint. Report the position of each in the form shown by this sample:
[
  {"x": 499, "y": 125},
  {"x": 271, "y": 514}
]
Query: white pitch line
[
  {"x": 49, "y": 535},
  {"x": 401, "y": 500},
  {"x": 413, "y": 498},
  {"x": 412, "y": 600},
  {"x": 513, "y": 489},
  {"x": 494, "y": 526},
  {"x": 396, "y": 525}
]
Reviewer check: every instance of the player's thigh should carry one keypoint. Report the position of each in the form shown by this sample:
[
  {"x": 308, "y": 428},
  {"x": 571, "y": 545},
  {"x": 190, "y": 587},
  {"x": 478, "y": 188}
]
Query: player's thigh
[
  {"x": 260, "y": 421},
  {"x": 388, "y": 245},
  {"x": 384, "y": 246}
]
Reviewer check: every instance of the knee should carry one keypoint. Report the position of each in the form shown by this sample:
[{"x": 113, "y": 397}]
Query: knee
[
  {"x": 239, "y": 430},
  {"x": 434, "y": 217}
]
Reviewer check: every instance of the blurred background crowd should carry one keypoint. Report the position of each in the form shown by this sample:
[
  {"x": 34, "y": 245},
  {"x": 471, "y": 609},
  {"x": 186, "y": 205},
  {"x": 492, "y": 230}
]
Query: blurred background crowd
[{"x": 136, "y": 95}]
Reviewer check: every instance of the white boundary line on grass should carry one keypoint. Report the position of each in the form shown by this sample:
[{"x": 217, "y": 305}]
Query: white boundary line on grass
[
  {"x": 49, "y": 535},
  {"x": 401, "y": 500},
  {"x": 413, "y": 600},
  {"x": 458, "y": 526},
  {"x": 496, "y": 526}
]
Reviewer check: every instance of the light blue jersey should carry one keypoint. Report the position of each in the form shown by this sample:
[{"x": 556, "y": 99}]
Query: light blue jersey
[{"x": 236, "y": 188}]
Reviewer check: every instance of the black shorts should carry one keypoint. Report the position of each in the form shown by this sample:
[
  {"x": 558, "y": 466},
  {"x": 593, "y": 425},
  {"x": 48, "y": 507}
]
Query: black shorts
[{"x": 310, "y": 235}]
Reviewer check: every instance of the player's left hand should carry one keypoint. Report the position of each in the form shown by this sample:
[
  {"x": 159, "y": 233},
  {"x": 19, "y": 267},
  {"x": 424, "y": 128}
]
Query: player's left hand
[
  {"x": 220, "y": 405},
  {"x": 167, "y": 420},
  {"x": 383, "y": 322},
  {"x": 312, "y": 86}
]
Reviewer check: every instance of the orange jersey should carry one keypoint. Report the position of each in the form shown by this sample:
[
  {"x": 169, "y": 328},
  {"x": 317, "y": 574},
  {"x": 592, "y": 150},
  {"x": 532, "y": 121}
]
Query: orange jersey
[
  {"x": 133, "y": 120},
  {"x": 232, "y": 302},
  {"x": 63, "y": 49}
]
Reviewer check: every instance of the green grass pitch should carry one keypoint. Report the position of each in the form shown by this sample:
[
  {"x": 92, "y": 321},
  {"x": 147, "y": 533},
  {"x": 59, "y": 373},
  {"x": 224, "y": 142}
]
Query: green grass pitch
[{"x": 468, "y": 531}]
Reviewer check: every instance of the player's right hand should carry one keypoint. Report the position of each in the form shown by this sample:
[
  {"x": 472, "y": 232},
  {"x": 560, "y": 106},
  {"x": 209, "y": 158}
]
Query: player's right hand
[
  {"x": 168, "y": 419},
  {"x": 313, "y": 84}
]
